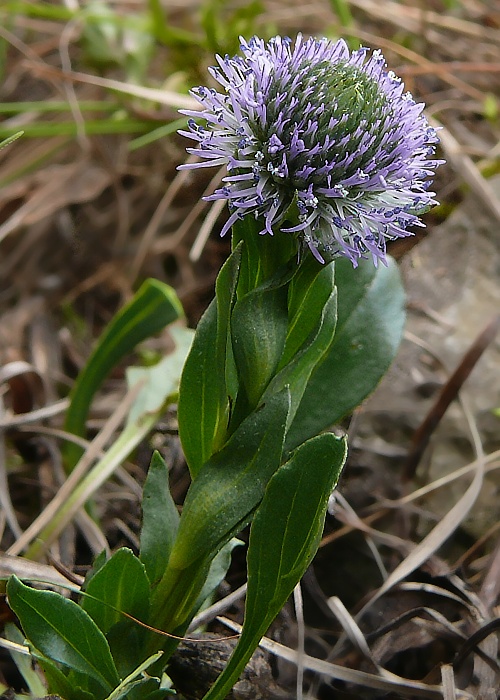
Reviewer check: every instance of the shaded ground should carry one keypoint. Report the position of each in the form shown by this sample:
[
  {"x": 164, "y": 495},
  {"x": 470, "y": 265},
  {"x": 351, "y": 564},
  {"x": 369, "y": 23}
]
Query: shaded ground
[{"x": 88, "y": 210}]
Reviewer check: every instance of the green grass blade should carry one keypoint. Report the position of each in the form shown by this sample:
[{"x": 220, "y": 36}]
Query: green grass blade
[
  {"x": 11, "y": 139},
  {"x": 120, "y": 691},
  {"x": 153, "y": 307},
  {"x": 91, "y": 127},
  {"x": 24, "y": 662}
]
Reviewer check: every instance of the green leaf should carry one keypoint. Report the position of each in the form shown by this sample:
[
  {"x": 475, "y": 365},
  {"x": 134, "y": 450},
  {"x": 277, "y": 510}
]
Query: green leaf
[
  {"x": 127, "y": 641},
  {"x": 308, "y": 293},
  {"x": 259, "y": 326},
  {"x": 217, "y": 572},
  {"x": 296, "y": 374},
  {"x": 88, "y": 684},
  {"x": 203, "y": 411},
  {"x": 63, "y": 632},
  {"x": 288, "y": 525},
  {"x": 369, "y": 329},
  {"x": 24, "y": 661},
  {"x": 120, "y": 586},
  {"x": 143, "y": 689},
  {"x": 231, "y": 484},
  {"x": 133, "y": 688},
  {"x": 153, "y": 307},
  {"x": 284, "y": 537},
  {"x": 219, "y": 504},
  {"x": 160, "y": 520},
  {"x": 225, "y": 293},
  {"x": 59, "y": 683}
]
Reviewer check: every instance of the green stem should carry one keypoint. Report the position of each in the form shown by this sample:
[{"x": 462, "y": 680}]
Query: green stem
[
  {"x": 263, "y": 255},
  {"x": 174, "y": 601}
]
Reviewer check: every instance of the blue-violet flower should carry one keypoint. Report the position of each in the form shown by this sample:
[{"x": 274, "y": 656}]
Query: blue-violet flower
[{"x": 317, "y": 140}]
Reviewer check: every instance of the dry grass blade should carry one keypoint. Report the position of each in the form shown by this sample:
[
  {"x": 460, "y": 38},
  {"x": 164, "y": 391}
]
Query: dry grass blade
[
  {"x": 448, "y": 680},
  {"x": 69, "y": 32},
  {"x": 301, "y": 638},
  {"x": 14, "y": 369},
  {"x": 5, "y": 499},
  {"x": 94, "y": 536},
  {"x": 206, "y": 229},
  {"x": 415, "y": 17},
  {"x": 447, "y": 394},
  {"x": 154, "y": 223},
  {"x": 441, "y": 592},
  {"x": 352, "y": 630},
  {"x": 471, "y": 644},
  {"x": 37, "y": 414},
  {"x": 95, "y": 448},
  {"x": 61, "y": 185},
  {"x": 405, "y": 688},
  {"x": 12, "y": 646},
  {"x": 490, "y": 588},
  {"x": 369, "y": 541},
  {"x": 29, "y": 570},
  {"x": 466, "y": 169},
  {"x": 440, "y": 621},
  {"x": 448, "y": 524},
  {"x": 163, "y": 97},
  {"x": 217, "y": 608},
  {"x": 492, "y": 462},
  {"x": 169, "y": 242}
]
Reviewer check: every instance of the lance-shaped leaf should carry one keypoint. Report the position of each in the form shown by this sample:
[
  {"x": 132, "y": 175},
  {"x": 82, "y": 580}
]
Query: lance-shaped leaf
[
  {"x": 206, "y": 382},
  {"x": 284, "y": 537},
  {"x": 120, "y": 586},
  {"x": 58, "y": 682},
  {"x": 118, "y": 589},
  {"x": 63, "y": 632},
  {"x": 297, "y": 372},
  {"x": 231, "y": 484},
  {"x": 369, "y": 328},
  {"x": 220, "y": 502},
  {"x": 160, "y": 520},
  {"x": 259, "y": 326},
  {"x": 309, "y": 291}
]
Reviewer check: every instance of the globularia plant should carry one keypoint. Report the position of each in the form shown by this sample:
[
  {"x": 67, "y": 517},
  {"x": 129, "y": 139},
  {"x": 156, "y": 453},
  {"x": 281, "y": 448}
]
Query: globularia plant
[{"x": 327, "y": 159}]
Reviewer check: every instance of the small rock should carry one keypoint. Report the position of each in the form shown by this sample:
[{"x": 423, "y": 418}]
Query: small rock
[{"x": 196, "y": 665}]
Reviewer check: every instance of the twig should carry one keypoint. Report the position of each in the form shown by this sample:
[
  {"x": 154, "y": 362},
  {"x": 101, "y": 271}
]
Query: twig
[{"x": 447, "y": 394}]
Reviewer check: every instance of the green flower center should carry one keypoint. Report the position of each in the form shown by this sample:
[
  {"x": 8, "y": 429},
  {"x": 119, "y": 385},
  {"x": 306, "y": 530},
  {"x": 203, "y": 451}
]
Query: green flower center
[{"x": 336, "y": 106}]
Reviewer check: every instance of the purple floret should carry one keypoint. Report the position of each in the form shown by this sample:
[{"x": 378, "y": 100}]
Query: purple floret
[{"x": 319, "y": 141}]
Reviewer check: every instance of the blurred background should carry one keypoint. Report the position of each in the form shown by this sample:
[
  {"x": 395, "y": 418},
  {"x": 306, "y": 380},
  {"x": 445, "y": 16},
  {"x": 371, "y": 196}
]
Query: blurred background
[{"x": 91, "y": 204}]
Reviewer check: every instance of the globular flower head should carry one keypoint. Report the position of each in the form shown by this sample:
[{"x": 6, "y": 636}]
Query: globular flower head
[{"x": 319, "y": 141}]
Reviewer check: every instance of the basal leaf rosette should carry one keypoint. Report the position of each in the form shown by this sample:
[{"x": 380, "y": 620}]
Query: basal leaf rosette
[{"x": 320, "y": 142}]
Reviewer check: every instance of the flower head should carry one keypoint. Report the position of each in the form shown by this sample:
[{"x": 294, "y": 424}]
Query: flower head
[{"x": 317, "y": 140}]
